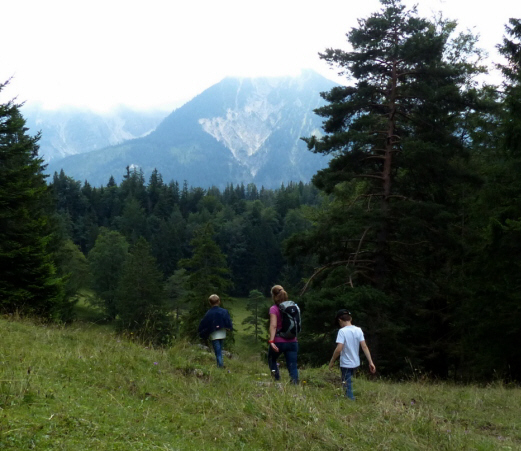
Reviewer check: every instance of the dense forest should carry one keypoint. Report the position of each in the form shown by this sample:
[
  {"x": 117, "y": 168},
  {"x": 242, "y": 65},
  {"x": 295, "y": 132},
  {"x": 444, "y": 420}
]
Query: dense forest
[{"x": 415, "y": 225}]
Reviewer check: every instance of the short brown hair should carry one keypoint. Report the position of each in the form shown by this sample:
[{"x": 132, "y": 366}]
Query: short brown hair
[
  {"x": 344, "y": 315},
  {"x": 214, "y": 299}
]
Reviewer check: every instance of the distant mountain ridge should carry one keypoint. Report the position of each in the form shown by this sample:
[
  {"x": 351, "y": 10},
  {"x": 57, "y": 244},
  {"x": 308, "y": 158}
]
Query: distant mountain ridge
[
  {"x": 71, "y": 131},
  {"x": 240, "y": 130}
]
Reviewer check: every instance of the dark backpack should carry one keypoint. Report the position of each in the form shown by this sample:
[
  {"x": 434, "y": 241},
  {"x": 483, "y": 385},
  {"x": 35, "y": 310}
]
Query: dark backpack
[{"x": 290, "y": 320}]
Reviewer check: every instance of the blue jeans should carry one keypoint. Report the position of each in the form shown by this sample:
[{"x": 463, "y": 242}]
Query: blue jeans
[
  {"x": 347, "y": 374},
  {"x": 290, "y": 351},
  {"x": 218, "y": 349}
]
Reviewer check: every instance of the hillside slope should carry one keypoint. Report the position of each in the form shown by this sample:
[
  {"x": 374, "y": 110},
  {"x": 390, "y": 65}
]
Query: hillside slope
[{"x": 83, "y": 387}]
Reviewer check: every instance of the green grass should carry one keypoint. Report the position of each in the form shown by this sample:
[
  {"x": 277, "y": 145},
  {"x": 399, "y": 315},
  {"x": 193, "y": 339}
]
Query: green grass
[
  {"x": 244, "y": 339},
  {"x": 82, "y": 387}
]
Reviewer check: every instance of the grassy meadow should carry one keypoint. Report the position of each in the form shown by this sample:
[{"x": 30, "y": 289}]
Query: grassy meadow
[{"x": 82, "y": 387}]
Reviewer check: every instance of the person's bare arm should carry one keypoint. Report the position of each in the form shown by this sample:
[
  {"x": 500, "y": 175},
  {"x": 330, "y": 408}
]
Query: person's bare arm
[
  {"x": 372, "y": 368},
  {"x": 273, "y": 331},
  {"x": 336, "y": 354}
]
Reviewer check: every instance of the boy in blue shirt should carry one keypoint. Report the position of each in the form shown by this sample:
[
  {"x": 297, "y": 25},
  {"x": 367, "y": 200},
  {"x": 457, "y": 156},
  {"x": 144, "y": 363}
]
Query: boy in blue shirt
[{"x": 213, "y": 326}]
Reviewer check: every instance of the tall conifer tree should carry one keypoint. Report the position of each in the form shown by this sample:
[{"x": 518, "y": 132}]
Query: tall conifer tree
[
  {"x": 208, "y": 274},
  {"x": 28, "y": 280},
  {"x": 257, "y": 306},
  {"x": 140, "y": 299},
  {"x": 495, "y": 271},
  {"x": 389, "y": 241},
  {"x": 106, "y": 260}
]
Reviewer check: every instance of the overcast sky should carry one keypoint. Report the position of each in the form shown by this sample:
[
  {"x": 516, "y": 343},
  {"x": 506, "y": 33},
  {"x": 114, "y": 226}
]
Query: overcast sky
[{"x": 161, "y": 53}]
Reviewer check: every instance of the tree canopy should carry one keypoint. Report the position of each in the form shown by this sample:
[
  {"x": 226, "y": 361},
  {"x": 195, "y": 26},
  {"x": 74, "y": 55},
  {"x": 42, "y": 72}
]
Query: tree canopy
[
  {"x": 29, "y": 283},
  {"x": 390, "y": 241}
]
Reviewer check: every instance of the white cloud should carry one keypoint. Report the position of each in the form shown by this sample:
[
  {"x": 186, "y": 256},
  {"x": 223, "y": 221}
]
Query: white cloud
[{"x": 162, "y": 52}]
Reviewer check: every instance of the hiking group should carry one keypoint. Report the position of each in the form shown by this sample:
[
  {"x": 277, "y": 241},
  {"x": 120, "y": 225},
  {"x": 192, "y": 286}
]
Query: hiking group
[{"x": 284, "y": 327}]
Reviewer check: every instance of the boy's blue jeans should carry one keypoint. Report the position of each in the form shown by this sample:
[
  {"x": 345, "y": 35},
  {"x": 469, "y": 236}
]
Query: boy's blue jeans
[
  {"x": 347, "y": 374},
  {"x": 218, "y": 350},
  {"x": 290, "y": 351}
]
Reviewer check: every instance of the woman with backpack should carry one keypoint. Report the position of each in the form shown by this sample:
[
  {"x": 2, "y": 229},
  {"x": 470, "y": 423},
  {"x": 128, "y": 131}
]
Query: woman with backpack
[{"x": 283, "y": 333}]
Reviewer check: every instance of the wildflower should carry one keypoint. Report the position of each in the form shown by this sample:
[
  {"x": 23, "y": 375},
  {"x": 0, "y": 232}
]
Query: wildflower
[{"x": 155, "y": 363}]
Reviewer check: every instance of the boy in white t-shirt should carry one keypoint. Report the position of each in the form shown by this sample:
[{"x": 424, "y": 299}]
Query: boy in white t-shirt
[{"x": 349, "y": 340}]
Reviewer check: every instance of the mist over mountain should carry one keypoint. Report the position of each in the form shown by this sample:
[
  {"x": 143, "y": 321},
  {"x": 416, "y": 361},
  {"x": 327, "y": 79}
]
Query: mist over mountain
[
  {"x": 240, "y": 130},
  {"x": 71, "y": 131}
]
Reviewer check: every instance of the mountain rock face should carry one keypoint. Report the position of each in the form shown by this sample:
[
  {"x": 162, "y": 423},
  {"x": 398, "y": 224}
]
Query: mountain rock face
[
  {"x": 241, "y": 130},
  {"x": 72, "y": 131}
]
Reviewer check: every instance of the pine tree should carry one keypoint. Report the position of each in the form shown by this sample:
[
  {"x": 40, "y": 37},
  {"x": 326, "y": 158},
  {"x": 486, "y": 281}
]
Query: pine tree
[
  {"x": 73, "y": 206},
  {"x": 257, "y": 306},
  {"x": 140, "y": 298},
  {"x": 106, "y": 260},
  {"x": 511, "y": 50},
  {"x": 208, "y": 274},
  {"x": 494, "y": 269},
  {"x": 177, "y": 294},
  {"x": 132, "y": 222},
  {"x": 389, "y": 240},
  {"x": 71, "y": 262},
  {"x": 28, "y": 280}
]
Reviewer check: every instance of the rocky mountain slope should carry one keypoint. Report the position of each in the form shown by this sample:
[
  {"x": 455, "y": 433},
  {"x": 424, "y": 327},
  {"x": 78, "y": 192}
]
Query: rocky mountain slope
[
  {"x": 71, "y": 131},
  {"x": 240, "y": 130}
]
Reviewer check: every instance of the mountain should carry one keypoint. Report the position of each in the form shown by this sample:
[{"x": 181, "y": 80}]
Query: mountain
[
  {"x": 240, "y": 130},
  {"x": 72, "y": 131}
]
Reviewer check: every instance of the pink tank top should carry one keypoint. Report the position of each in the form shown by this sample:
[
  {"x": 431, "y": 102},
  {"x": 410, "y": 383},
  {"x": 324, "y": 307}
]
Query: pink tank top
[{"x": 274, "y": 310}]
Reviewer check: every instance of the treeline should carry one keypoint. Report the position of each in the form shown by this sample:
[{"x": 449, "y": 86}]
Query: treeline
[
  {"x": 415, "y": 226},
  {"x": 249, "y": 224},
  {"x": 233, "y": 237}
]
